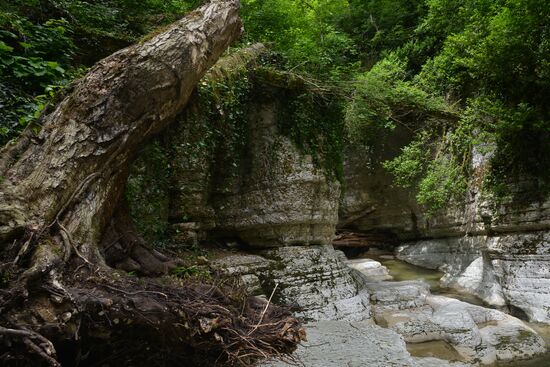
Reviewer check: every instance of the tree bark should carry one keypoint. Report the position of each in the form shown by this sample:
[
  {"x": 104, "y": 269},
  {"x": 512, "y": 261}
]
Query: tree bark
[
  {"x": 73, "y": 169},
  {"x": 60, "y": 189}
]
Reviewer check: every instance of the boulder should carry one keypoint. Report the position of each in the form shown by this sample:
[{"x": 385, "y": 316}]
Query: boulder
[
  {"x": 312, "y": 280},
  {"x": 371, "y": 269},
  {"x": 478, "y": 334}
]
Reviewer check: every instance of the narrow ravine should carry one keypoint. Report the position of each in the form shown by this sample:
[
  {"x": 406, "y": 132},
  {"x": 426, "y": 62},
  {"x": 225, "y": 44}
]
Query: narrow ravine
[{"x": 400, "y": 271}]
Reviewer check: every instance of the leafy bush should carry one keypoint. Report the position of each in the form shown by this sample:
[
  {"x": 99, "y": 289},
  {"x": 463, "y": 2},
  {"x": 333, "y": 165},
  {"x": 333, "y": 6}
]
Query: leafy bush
[
  {"x": 303, "y": 32},
  {"x": 488, "y": 61},
  {"x": 33, "y": 65},
  {"x": 384, "y": 97},
  {"x": 46, "y": 44}
]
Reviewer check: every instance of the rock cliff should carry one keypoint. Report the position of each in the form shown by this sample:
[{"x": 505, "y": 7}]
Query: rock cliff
[
  {"x": 233, "y": 176},
  {"x": 498, "y": 250}
]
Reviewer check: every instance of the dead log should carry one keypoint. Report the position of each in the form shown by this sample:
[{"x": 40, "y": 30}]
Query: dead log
[{"x": 58, "y": 193}]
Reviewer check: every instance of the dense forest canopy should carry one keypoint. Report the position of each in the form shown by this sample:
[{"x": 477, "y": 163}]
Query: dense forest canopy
[{"x": 456, "y": 73}]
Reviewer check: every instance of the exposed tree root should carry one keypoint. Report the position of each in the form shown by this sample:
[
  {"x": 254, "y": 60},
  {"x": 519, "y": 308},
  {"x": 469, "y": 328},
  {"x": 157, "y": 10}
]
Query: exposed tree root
[
  {"x": 123, "y": 248},
  {"x": 86, "y": 318}
]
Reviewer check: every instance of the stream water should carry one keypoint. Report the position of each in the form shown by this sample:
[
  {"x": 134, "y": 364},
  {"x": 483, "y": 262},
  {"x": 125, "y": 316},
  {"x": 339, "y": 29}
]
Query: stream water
[{"x": 401, "y": 270}]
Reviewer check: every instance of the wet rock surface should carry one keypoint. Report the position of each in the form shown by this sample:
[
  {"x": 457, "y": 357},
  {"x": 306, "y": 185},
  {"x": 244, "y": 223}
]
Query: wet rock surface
[
  {"x": 497, "y": 250},
  {"x": 511, "y": 269},
  {"x": 398, "y": 295},
  {"x": 338, "y": 298},
  {"x": 371, "y": 269},
  {"x": 357, "y": 344},
  {"x": 479, "y": 335}
]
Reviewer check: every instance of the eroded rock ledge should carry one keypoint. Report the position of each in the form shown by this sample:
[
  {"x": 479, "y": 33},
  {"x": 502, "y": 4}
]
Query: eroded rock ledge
[
  {"x": 496, "y": 250},
  {"x": 281, "y": 209}
]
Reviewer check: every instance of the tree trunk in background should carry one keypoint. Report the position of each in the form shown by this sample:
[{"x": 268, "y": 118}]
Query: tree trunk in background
[{"x": 58, "y": 193}]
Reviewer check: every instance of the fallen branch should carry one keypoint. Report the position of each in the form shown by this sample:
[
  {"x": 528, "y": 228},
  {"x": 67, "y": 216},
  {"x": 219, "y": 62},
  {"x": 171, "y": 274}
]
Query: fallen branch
[{"x": 265, "y": 309}]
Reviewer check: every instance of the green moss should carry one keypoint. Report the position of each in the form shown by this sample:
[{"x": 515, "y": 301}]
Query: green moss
[
  {"x": 190, "y": 271},
  {"x": 316, "y": 126},
  {"x": 222, "y": 107},
  {"x": 311, "y": 116},
  {"x": 278, "y": 78},
  {"x": 147, "y": 192}
]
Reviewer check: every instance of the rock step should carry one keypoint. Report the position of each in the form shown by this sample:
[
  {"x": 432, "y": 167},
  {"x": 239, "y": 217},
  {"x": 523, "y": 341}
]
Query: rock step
[
  {"x": 356, "y": 344},
  {"x": 371, "y": 269},
  {"x": 480, "y": 335}
]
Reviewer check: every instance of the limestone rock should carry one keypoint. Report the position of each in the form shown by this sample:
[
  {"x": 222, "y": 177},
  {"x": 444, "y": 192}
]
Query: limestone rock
[
  {"x": 312, "y": 280},
  {"x": 233, "y": 173},
  {"x": 398, "y": 295},
  {"x": 498, "y": 250},
  {"x": 247, "y": 267},
  {"x": 371, "y": 269},
  {"x": 354, "y": 344},
  {"x": 505, "y": 269},
  {"x": 283, "y": 199},
  {"x": 477, "y": 333},
  {"x": 317, "y": 283},
  {"x": 357, "y": 344},
  {"x": 521, "y": 262},
  {"x": 436, "y": 362}
]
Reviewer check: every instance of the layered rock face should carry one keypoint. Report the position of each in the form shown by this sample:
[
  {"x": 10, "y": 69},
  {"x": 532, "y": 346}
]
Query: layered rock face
[
  {"x": 312, "y": 280},
  {"x": 477, "y": 334},
  {"x": 411, "y": 320},
  {"x": 499, "y": 251},
  {"x": 466, "y": 332},
  {"x": 276, "y": 200},
  {"x": 262, "y": 191},
  {"x": 253, "y": 186},
  {"x": 282, "y": 199}
]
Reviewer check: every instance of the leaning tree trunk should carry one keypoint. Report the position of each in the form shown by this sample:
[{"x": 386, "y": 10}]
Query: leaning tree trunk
[{"x": 60, "y": 189}]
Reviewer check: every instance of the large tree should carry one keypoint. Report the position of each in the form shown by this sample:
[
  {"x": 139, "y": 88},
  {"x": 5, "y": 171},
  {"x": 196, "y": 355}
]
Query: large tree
[{"x": 60, "y": 208}]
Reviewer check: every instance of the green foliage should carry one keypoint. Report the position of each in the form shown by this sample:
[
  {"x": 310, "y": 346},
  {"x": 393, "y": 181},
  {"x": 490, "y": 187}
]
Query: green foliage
[
  {"x": 315, "y": 125},
  {"x": 383, "y": 97},
  {"x": 33, "y": 65},
  {"x": 443, "y": 182},
  {"x": 520, "y": 139},
  {"x": 147, "y": 192},
  {"x": 304, "y": 32},
  {"x": 428, "y": 166},
  {"x": 409, "y": 166},
  {"x": 46, "y": 44},
  {"x": 457, "y": 73},
  {"x": 500, "y": 53},
  {"x": 223, "y": 103},
  {"x": 381, "y": 25},
  {"x": 489, "y": 63},
  {"x": 190, "y": 271}
]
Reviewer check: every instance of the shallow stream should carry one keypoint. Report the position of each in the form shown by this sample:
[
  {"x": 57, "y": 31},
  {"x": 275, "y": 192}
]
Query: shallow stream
[{"x": 401, "y": 270}]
